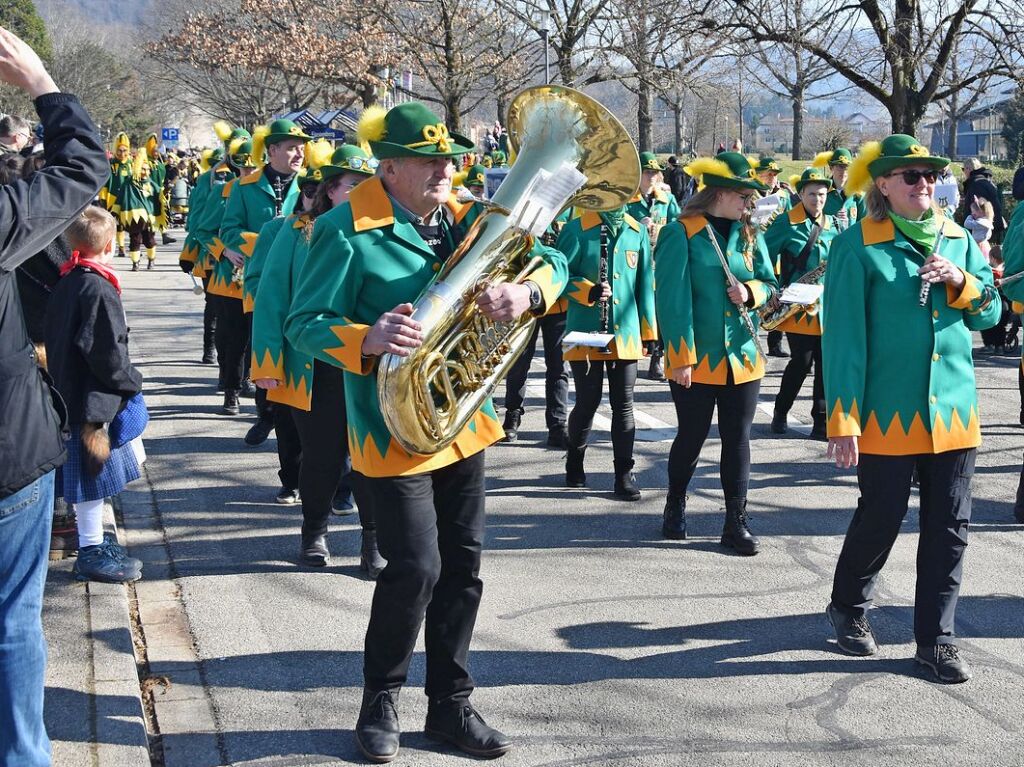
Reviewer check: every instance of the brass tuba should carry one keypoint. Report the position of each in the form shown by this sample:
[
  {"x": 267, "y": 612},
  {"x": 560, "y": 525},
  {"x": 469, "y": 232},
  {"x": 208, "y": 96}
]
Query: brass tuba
[{"x": 428, "y": 397}]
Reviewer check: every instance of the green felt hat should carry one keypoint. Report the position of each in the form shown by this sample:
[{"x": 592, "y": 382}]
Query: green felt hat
[
  {"x": 768, "y": 164},
  {"x": 241, "y": 155},
  {"x": 729, "y": 170},
  {"x": 813, "y": 175},
  {"x": 349, "y": 158},
  {"x": 499, "y": 159},
  {"x": 281, "y": 130},
  {"x": 649, "y": 161},
  {"x": 475, "y": 176},
  {"x": 899, "y": 150},
  {"x": 410, "y": 130}
]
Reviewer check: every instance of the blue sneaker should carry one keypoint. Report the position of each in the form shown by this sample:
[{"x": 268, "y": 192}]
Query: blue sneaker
[{"x": 106, "y": 563}]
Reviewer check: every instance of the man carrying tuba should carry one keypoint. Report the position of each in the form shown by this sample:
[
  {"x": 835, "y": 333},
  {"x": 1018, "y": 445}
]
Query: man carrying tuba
[{"x": 368, "y": 260}]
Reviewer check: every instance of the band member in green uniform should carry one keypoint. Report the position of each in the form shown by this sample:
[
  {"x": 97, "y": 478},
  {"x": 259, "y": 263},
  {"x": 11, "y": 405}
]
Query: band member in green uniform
[
  {"x": 1013, "y": 263},
  {"x": 905, "y": 288},
  {"x": 710, "y": 331},
  {"x": 798, "y": 243},
  {"x": 848, "y": 208}
]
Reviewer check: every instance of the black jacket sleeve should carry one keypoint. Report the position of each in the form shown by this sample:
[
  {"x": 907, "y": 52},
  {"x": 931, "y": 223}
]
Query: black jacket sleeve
[
  {"x": 1018, "y": 184},
  {"x": 102, "y": 339},
  {"x": 33, "y": 212}
]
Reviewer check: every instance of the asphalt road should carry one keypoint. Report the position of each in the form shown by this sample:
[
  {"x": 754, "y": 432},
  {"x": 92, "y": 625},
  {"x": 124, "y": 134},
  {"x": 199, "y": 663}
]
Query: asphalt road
[{"x": 598, "y": 643}]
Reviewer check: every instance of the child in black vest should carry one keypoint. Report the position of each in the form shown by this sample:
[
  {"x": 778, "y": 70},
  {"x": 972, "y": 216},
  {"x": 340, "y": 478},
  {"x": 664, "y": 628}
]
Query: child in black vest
[{"x": 87, "y": 351}]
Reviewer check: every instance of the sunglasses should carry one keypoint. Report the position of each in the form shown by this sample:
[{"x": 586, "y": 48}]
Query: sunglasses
[
  {"x": 358, "y": 163},
  {"x": 911, "y": 177}
]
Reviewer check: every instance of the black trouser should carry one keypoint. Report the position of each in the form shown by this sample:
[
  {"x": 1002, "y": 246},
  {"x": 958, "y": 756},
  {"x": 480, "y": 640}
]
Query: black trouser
[
  {"x": 588, "y": 377},
  {"x": 556, "y": 377},
  {"x": 774, "y": 339},
  {"x": 430, "y": 529},
  {"x": 140, "y": 233},
  {"x": 209, "y": 317},
  {"x": 264, "y": 407},
  {"x": 1020, "y": 387},
  {"x": 945, "y": 495},
  {"x": 289, "y": 448},
  {"x": 804, "y": 352},
  {"x": 326, "y": 465},
  {"x": 231, "y": 337},
  {"x": 694, "y": 408}
]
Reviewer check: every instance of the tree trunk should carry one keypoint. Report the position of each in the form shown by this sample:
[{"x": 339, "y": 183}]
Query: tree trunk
[
  {"x": 954, "y": 123},
  {"x": 453, "y": 115},
  {"x": 565, "y": 69},
  {"x": 502, "y": 105},
  {"x": 677, "y": 124},
  {"x": 644, "y": 120},
  {"x": 798, "y": 124}
]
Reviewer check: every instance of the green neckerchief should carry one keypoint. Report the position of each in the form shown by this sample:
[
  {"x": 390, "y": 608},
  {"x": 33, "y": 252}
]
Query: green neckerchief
[
  {"x": 922, "y": 232},
  {"x": 614, "y": 219}
]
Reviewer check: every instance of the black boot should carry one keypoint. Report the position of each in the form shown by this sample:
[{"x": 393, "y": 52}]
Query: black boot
[
  {"x": 458, "y": 723},
  {"x": 166, "y": 239},
  {"x": 231, "y": 402},
  {"x": 780, "y": 423},
  {"x": 574, "y": 474},
  {"x": 1018, "y": 506},
  {"x": 819, "y": 431},
  {"x": 377, "y": 729},
  {"x": 313, "y": 551},
  {"x": 259, "y": 432},
  {"x": 209, "y": 349},
  {"x": 656, "y": 372},
  {"x": 625, "y": 482},
  {"x": 370, "y": 560},
  {"x": 558, "y": 437},
  {"x": 511, "y": 425},
  {"x": 673, "y": 524},
  {"x": 736, "y": 534}
]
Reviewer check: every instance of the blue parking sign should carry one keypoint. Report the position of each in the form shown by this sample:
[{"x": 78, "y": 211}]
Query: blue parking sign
[{"x": 169, "y": 134}]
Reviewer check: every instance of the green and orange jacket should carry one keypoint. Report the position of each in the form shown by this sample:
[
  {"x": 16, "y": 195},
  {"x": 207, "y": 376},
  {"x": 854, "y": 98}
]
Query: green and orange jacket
[
  {"x": 250, "y": 204},
  {"x": 120, "y": 173},
  {"x": 364, "y": 259},
  {"x": 785, "y": 240},
  {"x": 663, "y": 207},
  {"x": 254, "y": 266},
  {"x": 137, "y": 201},
  {"x": 1013, "y": 262},
  {"x": 272, "y": 355},
  {"x": 205, "y": 212},
  {"x": 631, "y": 316},
  {"x": 853, "y": 204},
  {"x": 898, "y": 375},
  {"x": 699, "y": 324}
]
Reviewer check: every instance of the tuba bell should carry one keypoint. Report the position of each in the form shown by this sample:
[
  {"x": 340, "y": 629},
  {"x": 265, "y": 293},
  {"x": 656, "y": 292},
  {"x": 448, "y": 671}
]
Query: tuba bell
[{"x": 428, "y": 397}]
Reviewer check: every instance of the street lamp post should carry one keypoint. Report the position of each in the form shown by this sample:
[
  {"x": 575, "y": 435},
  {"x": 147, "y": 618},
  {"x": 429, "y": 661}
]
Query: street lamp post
[{"x": 544, "y": 24}]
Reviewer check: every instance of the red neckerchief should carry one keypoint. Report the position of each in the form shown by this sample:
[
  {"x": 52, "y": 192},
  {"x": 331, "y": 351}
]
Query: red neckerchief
[{"x": 103, "y": 271}]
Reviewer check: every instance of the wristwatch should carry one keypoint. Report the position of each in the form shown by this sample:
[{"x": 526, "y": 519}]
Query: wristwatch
[{"x": 536, "y": 297}]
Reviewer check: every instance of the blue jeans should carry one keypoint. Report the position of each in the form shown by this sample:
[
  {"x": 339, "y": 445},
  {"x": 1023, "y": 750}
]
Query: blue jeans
[{"x": 25, "y": 521}]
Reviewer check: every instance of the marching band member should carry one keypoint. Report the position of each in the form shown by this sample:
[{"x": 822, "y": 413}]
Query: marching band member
[
  {"x": 713, "y": 357},
  {"x": 289, "y": 376},
  {"x": 798, "y": 242},
  {"x": 623, "y": 307},
  {"x": 846, "y": 207},
  {"x": 768, "y": 170},
  {"x": 158, "y": 174},
  {"x": 905, "y": 289},
  {"x": 252, "y": 201},
  {"x": 137, "y": 199},
  {"x": 653, "y": 206},
  {"x": 368, "y": 258},
  {"x": 120, "y": 173}
]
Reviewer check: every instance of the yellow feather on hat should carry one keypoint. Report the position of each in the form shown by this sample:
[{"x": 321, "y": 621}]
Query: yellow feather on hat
[
  {"x": 259, "y": 144},
  {"x": 459, "y": 179},
  {"x": 822, "y": 159},
  {"x": 318, "y": 153},
  {"x": 858, "y": 178},
  {"x": 754, "y": 162},
  {"x": 236, "y": 144},
  {"x": 371, "y": 126},
  {"x": 222, "y": 129},
  {"x": 707, "y": 165},
  {"x": 794, "y": 180},
  {"x": 204, "y": 160}
]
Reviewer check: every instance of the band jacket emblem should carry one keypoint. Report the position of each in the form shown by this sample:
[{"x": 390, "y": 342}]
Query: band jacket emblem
[
  {"x": 631, "y": 315},
  {"x": 364, "y": 259},
  {"x": 898, "y": 375},
  {"x": 786, "y": 239},
  {"x": 700, "y": 325}
]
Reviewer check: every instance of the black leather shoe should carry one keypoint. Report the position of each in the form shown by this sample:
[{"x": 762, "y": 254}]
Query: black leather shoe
[
  {"x": 167, "y": 239},
  {"x": 287, "y": 496},
  {"x": 780, "y": 424},
  {"x": 370, "y": 560},
  {"x": 458, "y": 723},
  {"x": 209, "y": 357},
  {"x": 625, "y": 482},
  {"x": 259, "y": 432},
  {"x": 248, "y": 389},
  {"x": 656, "y": 371},
  {"x": 511, "y": 425},
  {"x": 314, "y": 552},
  {"x": 558, "y": 437},
  {"x": 574, "y": 474},
  {"x": 853, "y": 632},
  {"x": 736, "y": 532},
  {"x": 673, "y": 525},
  {"x": 776, "y": 351},
  {"x": 377, "y": 729},
  {"x": 230, "y": 402},
  {"x": 944, "y": 661}
]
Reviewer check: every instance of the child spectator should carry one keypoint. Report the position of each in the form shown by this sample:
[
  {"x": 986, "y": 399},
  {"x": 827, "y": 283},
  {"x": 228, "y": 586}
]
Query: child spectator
[
  {"x": 995, "y": 337},
  {"x": 87, "y": 350},
  {"x": 980, "y": 223}
]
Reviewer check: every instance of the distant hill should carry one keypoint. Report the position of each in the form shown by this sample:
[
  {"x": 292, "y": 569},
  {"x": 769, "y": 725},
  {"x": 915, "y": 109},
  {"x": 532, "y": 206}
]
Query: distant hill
[{"x": 127, "y": 12}]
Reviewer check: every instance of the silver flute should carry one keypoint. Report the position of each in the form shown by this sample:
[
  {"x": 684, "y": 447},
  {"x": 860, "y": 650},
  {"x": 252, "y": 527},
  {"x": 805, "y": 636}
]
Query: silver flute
[
  {"x": 926, "y": 287},
  {"x": 733, "y": 282}
]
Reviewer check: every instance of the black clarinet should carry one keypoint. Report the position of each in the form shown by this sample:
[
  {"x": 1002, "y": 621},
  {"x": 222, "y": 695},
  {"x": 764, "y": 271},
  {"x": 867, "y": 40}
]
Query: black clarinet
[
  {"x": 278, "y": 202},
  {"x": 602, "y": 278}
]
